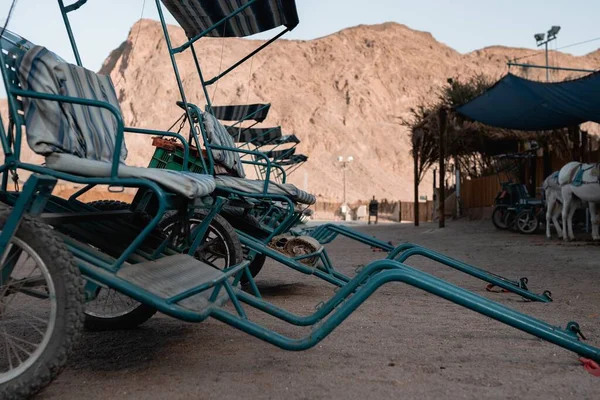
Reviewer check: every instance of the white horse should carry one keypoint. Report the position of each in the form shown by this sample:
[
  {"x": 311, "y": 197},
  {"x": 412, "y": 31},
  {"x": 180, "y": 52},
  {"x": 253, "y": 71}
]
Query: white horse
[
  {"x": 581, "y": 180},
  {"x": 554, "y": 202}
]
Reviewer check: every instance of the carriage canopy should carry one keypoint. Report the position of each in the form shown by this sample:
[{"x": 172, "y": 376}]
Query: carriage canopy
[
  {"x": 521, "y": 104},
  {"x": 293, "y": 160},
  {"x": 285, "y": 140},
  {"x": 254, "y": 112},
  {"x": 281, "y": 154},
  {"x": 198, "y": 16},
  {"x": 256, "y": 136}
]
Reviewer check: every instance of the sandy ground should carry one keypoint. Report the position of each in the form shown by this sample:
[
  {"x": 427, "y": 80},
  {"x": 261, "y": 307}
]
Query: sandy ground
[{"x": 402, "y": 343}]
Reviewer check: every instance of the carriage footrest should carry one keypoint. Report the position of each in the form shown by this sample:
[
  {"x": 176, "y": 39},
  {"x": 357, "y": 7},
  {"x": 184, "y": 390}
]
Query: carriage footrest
[{"x": 173, "y": 275}]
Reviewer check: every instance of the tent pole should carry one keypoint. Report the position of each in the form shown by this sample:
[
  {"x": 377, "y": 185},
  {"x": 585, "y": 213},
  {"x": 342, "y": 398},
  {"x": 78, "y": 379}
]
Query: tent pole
[
  {"x": 442, "y": 200},
  {"x": 416, "y": 178}
]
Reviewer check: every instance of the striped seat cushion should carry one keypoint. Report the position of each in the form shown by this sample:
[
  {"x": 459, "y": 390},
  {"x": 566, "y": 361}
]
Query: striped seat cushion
[
  {"x": 256, "y": 186},
  {"x": 84, "y": 131},
  {"x": 188, "y": 184},
  {"x": 218, "y": 135},
  {"x": 79, "y": 139}
]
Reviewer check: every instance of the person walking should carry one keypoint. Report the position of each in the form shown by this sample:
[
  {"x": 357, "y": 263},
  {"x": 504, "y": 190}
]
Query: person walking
[{"x": 374, "y": 210}]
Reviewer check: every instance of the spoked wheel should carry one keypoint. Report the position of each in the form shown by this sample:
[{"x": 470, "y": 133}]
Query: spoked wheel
[
  {"x": 498, "y": 217},
  {"x": 112, "y": 310},
  {"x": 527, "y": 222},
  {"x": 251, "y": 226},
  {"x": 41, "y": 309},
  {"x": 220, "y": 246}
]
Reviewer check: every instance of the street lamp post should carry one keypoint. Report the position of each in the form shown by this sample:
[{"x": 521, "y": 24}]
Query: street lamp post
[
  {"x": 344, "y": 163},
  {"x": 543, "y": 40}
]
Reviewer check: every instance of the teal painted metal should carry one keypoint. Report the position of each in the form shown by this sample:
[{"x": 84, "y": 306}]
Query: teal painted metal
[
  {"x": 31, "y": 188},
  {"x": 176, "y": 70},
  {"x": 35, "y": 183},
  {"x": 243, "y": 60},
  {"x": 202, "y": 81},
  {"x": 273, "y": 166},
  {"x": 201, "y": 230},
  {"x": 352, "y": 294},
  {"x": 186, "y": 146},
  {"x": 406, "y": 251},
  {"x": 328, "y": 232},
  {"x": 64, "y": 12},
  {"x": 14, "y": 163},
  {"x": 395, "y": 272},
  {"x": 341, "y": 305},
  {"x": 86, "y": 102}
]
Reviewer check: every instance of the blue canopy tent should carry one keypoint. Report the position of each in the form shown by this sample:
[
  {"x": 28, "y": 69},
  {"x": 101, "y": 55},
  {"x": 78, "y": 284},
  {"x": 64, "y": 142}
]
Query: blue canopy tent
[{"x": 521, "y": 104}]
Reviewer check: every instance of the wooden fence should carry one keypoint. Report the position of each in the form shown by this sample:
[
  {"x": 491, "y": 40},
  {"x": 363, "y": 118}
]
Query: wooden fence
[
  {"x": 407, "y": 211},
  {"x": 403, "y": 211},
  {"x": 481, "y": 192}
]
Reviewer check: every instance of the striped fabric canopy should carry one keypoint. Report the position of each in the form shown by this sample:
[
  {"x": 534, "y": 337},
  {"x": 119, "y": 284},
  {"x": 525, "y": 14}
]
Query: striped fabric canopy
[
  {"x": 293, "y": 160},
  {"x": 256, "y": 136},
  {"x": 286, "y": 139},
  {"x": 196, "y": 16},
  {"x": 255, "y": 112},
  {"x": 283, "y": 154}
]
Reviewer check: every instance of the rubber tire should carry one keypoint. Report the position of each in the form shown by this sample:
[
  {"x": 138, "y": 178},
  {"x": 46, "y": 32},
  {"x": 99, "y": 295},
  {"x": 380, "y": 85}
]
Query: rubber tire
[
  {"x": 498, "y": 218},
  {"x": 509, "y": 221},
  {"x": 137, "y": 316},
  {"x": 221, "y": 225},
  {"x": 70, "y": 298},
  {"x": 537, "y": 225},
  {"x": 116, "y": 205},
  {"x": 234, "y": 215},
  {"x": 257, "y": 264}
]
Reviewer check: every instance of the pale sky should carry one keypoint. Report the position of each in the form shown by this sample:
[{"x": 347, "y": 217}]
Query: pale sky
[{"x": 465, "y": 25}]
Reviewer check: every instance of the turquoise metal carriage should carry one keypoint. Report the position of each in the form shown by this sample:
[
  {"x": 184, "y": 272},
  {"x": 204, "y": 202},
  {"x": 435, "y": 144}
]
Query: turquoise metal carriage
[
  {"x": 264, "y": 210},
  {"x": 59, "y": 255},
  {"x": 279, "y": 148}
]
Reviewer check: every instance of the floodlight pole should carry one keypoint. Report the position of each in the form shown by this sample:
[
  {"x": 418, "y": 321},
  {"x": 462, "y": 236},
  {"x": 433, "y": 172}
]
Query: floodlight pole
[
  {"x": 344, "y": 163},
  {"x": 547, "y": 64},
  {"x": 543, "y": 40}
]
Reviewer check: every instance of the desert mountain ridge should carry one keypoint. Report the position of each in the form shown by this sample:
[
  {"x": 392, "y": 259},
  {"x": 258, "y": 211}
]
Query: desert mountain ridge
[{"x": 342, "y": 94}]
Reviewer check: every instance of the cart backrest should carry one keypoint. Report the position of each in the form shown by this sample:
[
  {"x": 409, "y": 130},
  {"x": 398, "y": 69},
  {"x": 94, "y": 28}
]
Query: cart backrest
[
  {"x": 14, "y": 48},
  {"x": 54, "y": 126},
  {"x": 218, "y": 135}
]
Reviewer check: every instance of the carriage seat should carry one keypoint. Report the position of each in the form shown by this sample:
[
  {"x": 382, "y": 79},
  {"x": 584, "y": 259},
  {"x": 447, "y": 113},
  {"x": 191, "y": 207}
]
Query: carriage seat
[
  {"x": 80, "y": 139},
  {"x": 217, "y": 134},
  {"x": 256, "y": 186}
]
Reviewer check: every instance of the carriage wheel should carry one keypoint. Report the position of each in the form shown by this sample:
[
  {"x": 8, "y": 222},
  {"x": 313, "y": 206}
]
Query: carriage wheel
[
  {"x": 41, "y": 309},
  {"x": 498, "y": 217},
  {"x": 110, "y": 309},
  {"x": 510, "y": 217},
  {"x": 221, "y": 247},
  {"x": 527, "y": 222}
]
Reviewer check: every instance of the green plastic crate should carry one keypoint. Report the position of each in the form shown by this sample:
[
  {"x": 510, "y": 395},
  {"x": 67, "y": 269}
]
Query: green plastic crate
[{"x": 173, "y": 160}]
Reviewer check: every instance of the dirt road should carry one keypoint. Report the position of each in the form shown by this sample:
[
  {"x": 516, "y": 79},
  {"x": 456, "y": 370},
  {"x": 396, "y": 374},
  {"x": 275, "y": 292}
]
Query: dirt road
[{"x": 403, "y": 343}]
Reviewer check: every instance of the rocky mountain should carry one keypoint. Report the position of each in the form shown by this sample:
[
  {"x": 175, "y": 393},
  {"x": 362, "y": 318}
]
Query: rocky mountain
[{"x": 342, "y": 94}]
